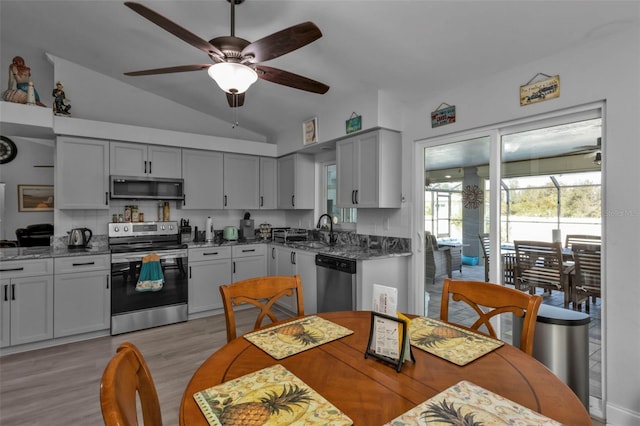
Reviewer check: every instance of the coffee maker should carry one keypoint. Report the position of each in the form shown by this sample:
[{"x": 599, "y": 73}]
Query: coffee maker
[{"x": 247, "y": 229}]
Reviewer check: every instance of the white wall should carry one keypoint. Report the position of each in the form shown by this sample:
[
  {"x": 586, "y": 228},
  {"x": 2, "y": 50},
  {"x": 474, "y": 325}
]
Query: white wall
[
  {"x": 606, "y": 69},
  {"x": 22, "y": 171}
]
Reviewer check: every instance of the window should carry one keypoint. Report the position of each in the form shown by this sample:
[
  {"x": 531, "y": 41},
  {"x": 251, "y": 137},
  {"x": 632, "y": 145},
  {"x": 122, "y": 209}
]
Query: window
[{"x": 330, "y": 190}]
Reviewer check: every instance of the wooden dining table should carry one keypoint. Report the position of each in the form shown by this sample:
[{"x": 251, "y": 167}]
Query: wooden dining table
[{"x": 371, "y": 392}]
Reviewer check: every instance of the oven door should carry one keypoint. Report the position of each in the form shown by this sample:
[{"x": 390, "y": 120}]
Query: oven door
[{"x": 125, "y": 271}]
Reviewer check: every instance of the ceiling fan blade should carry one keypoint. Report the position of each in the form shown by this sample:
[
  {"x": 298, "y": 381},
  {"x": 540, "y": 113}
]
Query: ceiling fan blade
[
  {"x": 281, "y": 42},
  {"x": 169, "y": 70},
  {"x": 290, "y": 79},
  {"x": 174, "y": 29},
  {"x": 235, "y": 99}
]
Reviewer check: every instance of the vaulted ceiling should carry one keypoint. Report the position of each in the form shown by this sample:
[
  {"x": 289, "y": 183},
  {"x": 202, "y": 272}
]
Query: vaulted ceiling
[{"x": 414, "y": 49}]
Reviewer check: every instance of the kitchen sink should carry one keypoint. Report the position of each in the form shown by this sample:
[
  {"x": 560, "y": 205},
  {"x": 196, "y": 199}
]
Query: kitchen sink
[{"x": 311, "y": 244}]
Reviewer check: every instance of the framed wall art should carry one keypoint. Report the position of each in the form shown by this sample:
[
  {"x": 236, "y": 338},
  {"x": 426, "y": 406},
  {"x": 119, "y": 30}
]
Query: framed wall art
[
  {"x": 35, "y": 198},
  {"x": 310, "y": 131}
]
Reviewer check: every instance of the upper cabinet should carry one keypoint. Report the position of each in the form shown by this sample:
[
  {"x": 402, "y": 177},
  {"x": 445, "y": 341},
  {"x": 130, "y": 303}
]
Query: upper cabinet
[
  {"x": 369, "y": 170},
  {"x": 203, "y": 174},
  {"x": 241, "y": 181},
  {"x": 132, "y": 159},
  {"x": 296, "y": 182},
  {"x": 268, "y": 183},
  {"x": 82, "y": 173}
]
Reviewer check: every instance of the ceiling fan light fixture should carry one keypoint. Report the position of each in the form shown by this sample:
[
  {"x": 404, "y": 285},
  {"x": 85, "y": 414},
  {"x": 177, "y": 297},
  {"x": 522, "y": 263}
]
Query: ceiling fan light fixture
[{"x": 233, "y": 77}]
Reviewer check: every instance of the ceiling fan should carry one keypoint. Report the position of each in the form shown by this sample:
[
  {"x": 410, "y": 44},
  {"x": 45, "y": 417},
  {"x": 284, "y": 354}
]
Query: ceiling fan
[
  {"x": 237, "y": 62},
  {"x": 587, "y": 149}
]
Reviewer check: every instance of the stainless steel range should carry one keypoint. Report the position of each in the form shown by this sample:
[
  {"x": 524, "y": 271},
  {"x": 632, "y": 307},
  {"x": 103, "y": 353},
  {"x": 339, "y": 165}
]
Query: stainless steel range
[{"x": 134, "y": 307}]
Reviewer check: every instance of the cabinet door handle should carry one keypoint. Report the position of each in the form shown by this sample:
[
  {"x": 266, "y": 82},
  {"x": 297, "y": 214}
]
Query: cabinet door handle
[
  {"x": 234, "y": 267},
  {"x": 293, "y": 257},
  {"x": 83, "y": 264},
  {"x": 145, "y": 166},
  {"x": 106, "y": 198},
  {"x": 6, "y": 293},
  {"x": 107, "y": 282},
  {"x": 273, "y": 253},
  {"x": 248, "y": 250},
  {"x": 149, "y": 167},
  {"x": 184, "y": 200},
  {"x": 353, "y": 196},
  {"x": 12, "y": 269},
  {"x": 357, "y": 196},
  {"x": 189, "y": 272},
  {"x": 225, "y": 201},
  {"x": 210, "y": 254},
  {"x": 293, "y": 201},
  {"x": 261, "y": 201},
  {"x": 13, "y": 292}
]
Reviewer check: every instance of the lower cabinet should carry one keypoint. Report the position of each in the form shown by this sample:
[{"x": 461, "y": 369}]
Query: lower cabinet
[
  {"x": 26, "y": 311},
  {"x": 82, "y": 295},
  {"x": 287, "y": 261},
  {"x": 248, "y": 261},
  {"x": 209, "y": 268}
]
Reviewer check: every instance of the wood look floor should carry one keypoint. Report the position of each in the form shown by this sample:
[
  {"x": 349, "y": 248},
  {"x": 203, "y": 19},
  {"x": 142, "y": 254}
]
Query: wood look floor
[{"x": 61, "y": 385}]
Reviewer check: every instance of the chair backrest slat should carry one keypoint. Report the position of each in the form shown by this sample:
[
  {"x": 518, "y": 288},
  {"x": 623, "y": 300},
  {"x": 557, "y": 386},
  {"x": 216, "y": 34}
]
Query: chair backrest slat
[
  {"x": 261, "y": 292},
  {"x": 480, "y": 296},
  {"x": 125, "y": 378}
]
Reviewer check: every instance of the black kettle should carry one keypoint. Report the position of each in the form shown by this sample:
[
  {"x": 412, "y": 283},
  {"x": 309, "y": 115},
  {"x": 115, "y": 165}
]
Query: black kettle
[{"x": 79, "y": 237}]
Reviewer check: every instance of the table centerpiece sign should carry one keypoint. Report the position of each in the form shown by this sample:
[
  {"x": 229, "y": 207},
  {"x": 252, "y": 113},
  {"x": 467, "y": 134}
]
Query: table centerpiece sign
[
  {"x": 271, "y": 396},
  {"x": 467, "y": 403},
  {"x": 449, "y": 342},
  {"x": 293, "y": 337}
]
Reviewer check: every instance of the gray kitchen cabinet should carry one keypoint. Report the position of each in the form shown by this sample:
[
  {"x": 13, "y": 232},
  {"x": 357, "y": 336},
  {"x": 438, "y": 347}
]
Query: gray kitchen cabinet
[
  {"x": 248, "y": 261},
  {"x": 82, "y": 173},
  {"x": 369, "y": 171},
  {"x": 82, "y": 295},
  {"x": 241, "y": 181},
  {"x": 133, "y": 159},
  {"x": 300, "y": 262},
  {"x": 390, "y": 272},
  {"x": 268, "y": 183},
  {"x": 26, "y": 310},
  {"x": 209, "y": 268},
  {"x": 203, "y": 174},
  {"x": 296, "y": 182}
]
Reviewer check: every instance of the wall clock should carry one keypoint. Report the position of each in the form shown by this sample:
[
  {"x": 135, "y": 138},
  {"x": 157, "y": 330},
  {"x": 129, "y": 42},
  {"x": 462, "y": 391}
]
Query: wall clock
[{"x": 8, "y": 150}]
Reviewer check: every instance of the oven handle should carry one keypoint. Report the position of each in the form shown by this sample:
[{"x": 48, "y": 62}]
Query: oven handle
[{"x": 137, "y": 257}]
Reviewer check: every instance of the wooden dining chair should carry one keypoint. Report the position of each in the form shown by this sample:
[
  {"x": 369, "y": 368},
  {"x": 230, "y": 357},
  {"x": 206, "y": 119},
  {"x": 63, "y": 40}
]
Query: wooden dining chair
[
  {"x": 489, "y": 300},
  {"x": 261, "y": 292},
  {"x": 587, "y": 280},
  {"x": 572, "y": 239},
  {"x": 485, "y": 244},
  {"x": 125, "y": 379},
  {"x": 539, "y": 264}
]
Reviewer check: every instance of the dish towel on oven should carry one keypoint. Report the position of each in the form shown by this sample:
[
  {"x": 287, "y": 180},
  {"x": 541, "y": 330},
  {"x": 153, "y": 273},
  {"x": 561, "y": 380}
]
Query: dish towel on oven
[{"x": 151, "y": 277}]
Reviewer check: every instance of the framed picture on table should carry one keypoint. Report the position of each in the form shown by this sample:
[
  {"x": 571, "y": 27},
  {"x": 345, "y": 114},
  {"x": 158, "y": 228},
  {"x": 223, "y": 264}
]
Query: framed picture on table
[
  {"x": 35, "y": 198},
  {"x": 310, "y": 131}
]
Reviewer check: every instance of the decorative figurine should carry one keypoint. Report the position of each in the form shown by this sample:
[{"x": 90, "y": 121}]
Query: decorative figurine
[
  {"x": 20, "y": 84},
  {"x": 61, "y": 105}
]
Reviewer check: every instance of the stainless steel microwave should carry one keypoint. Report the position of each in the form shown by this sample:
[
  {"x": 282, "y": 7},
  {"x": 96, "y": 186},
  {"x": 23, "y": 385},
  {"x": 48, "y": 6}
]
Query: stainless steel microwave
[{"x": 146, "y": 188}]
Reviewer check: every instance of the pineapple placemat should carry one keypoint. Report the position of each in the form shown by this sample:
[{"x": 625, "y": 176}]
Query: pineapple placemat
[
  {"x": 469, "y": 404},
  {"x": 294, "y": 337},
  {"x": 271, "y": 396},
  {"x": 449, "y": 342}
]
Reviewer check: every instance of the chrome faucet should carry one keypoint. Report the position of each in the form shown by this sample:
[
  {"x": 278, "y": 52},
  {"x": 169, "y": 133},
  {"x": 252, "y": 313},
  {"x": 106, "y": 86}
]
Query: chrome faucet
[{"x": 332, "y": 237}]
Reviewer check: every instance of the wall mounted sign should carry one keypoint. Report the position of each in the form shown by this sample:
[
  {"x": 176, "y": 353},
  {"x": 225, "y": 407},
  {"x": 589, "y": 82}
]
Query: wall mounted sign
[
  {"x": 310, "y": 131},
  {"x": 444, "y": 114},
  {"x": 540, "y": 88},
  {"x": 354, "y": 123}
]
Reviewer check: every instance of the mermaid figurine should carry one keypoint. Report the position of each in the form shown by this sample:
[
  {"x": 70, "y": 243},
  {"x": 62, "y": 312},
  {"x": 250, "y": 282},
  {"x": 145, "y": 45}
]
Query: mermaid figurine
[{"x": 19, "y": 79}]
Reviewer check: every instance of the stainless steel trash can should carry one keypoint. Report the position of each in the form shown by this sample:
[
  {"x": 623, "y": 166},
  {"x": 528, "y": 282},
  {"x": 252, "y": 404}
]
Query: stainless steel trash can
[{"x": 561, "y": 342}]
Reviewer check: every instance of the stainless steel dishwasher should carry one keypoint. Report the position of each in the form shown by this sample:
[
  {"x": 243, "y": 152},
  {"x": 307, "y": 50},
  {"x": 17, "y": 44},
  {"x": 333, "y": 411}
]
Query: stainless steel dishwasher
[{"x": 336, "y": 286}]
